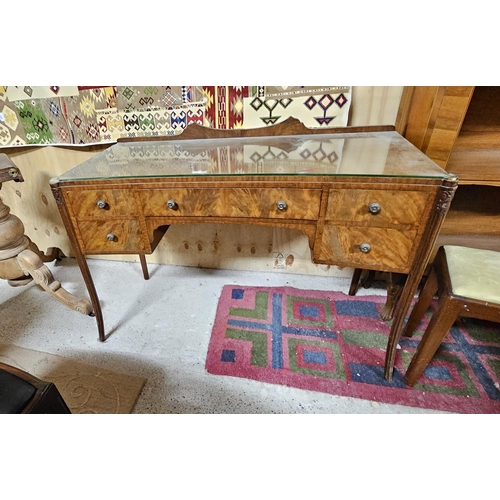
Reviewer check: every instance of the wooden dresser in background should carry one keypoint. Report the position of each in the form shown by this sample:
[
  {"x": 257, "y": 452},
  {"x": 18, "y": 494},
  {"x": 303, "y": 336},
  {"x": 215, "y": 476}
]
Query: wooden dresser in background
[{"x": 459, "y": 128}]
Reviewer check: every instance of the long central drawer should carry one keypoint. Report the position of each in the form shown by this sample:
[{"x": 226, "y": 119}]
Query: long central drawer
[{"x": 232, "y": 202}]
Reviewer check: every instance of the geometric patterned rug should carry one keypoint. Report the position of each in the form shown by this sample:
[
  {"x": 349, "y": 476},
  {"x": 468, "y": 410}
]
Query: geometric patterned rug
[{"x": 335, "y": 343}]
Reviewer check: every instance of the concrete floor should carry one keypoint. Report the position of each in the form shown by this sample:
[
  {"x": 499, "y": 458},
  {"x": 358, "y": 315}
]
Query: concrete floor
[{"x": 159, "y": 329}]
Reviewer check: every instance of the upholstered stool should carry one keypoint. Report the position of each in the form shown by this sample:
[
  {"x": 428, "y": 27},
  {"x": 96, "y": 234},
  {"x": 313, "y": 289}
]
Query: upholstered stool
[
  {"x": 467, "y": 281},
  {"x": 21, "y": 392}
]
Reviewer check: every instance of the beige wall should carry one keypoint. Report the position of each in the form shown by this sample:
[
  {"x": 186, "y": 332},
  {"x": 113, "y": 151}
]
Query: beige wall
[{"x": 213, "y": 246}]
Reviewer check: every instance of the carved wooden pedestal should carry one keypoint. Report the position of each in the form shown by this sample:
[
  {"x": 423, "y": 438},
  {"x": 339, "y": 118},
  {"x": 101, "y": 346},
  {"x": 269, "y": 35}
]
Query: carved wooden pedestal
[{"x": 20, "y": 259}]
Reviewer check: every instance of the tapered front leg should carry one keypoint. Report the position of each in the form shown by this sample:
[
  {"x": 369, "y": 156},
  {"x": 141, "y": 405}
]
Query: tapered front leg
[
  {"x": 80, "y": 258},
  {"x": 441, "y": 205},
  {"x": 397, "y": 325},
  {"x": 144, "y": 266}
]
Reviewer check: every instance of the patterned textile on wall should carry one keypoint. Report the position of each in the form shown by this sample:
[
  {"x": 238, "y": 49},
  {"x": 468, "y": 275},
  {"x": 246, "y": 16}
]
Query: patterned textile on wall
[
  {"x": 314, "y": 106},
  {"x": 89, "y": 115}
]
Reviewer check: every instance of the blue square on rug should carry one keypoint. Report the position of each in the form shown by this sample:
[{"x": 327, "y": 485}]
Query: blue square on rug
[
  {"x": 315, "y": 357},
  {"x": 310, "y": 311},
  {"x": 237, "y": 293},
  {"x": 357, "y": 308},
  {"x": 438, "y": 372},
  {"x": 228, "y": 356}
]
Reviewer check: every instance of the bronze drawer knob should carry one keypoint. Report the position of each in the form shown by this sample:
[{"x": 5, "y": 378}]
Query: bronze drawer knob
[
  {"x": 102, "y": 204},
  {"x": 374, "y": 208},
  {"x": 365, "y": 247},
  {"x": 281, "y": 205},
  {"x": 172, "y": 205},
  {"x": 111, "y": 237}
]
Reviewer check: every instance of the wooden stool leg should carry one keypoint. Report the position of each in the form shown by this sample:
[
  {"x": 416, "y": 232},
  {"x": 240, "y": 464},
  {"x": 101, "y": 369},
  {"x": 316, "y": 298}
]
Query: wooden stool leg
[
  {"x": 439, "y": 326},
  {"x": 355, "y": 281},
  {"x": 424, "y": 300}
]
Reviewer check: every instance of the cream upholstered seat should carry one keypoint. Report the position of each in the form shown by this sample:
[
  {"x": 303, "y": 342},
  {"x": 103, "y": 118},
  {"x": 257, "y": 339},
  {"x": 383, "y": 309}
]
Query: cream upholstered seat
[
  {"x": 474, "y": 273},
  {"x": 467, "y": 281}
]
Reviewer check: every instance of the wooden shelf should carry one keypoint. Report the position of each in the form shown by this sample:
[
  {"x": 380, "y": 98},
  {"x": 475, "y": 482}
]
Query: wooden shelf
[
  {"x": 475, "y": 157},
  {"x": 478, "y": 140},
  {"x": 468, "y": 240},
  {"x": 475, "y": 210},
  {"x": 475, "y": 166},
  {"x": 483, "y": 113}
]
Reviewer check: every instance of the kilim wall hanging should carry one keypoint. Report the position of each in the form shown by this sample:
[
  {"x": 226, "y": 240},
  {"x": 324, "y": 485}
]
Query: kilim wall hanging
[{"x": 77, "y": 115}]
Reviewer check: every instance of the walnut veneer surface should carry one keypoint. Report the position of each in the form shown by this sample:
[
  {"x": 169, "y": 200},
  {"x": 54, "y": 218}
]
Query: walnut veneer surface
[{"x": 366, "y": 199}]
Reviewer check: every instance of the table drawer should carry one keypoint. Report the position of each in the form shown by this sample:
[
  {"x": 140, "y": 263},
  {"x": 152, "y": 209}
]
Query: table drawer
[
  {"x": 102, "y": 203},
  {"x": 377, "y": 206},
  {"x": 232, "y": 202},
  {"x": 367, "y": 247},
  {"x": 117, "y": 236}
]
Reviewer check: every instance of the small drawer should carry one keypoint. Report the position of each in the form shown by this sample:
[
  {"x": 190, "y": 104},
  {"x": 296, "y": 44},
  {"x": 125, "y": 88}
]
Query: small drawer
[
  {"x": 118, "y": 236},
  {"x": 102, "y": 203},
  {"x": 232, "y": 202},
  {"x": 376, "y": 206},
  {"x": 367, "y": 248}
]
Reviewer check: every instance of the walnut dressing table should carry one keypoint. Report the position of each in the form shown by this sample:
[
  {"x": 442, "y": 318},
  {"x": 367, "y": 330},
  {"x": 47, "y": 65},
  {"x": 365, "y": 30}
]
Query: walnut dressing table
[{"x": 365, "y": 197}]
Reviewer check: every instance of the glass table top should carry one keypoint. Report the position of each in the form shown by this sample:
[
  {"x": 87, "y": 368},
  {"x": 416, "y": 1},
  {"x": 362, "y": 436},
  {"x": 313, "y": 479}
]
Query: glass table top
[{"x": 348, "y": 154}]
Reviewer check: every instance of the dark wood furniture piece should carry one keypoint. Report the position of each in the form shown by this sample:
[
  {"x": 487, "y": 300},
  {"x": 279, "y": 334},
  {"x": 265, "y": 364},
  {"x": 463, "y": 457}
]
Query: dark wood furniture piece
[
  {"x": 365, "y": 197},
  {"x": 21, "y": 392},
  {"x": 462, "y": 292}
]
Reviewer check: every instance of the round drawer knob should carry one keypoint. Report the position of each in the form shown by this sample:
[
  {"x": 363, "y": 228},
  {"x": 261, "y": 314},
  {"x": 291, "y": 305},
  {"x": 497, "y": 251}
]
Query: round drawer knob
[
  {"x": 374, "y": 208},
  {"x": 14, "y": 172},
  {"x": 281, "y": 205},
  {"x": 102, "y": 204},
  {"x": 111, "y": 237},
  {"x": 365, "y": 247},
  {"x": 172, "y": 205}
]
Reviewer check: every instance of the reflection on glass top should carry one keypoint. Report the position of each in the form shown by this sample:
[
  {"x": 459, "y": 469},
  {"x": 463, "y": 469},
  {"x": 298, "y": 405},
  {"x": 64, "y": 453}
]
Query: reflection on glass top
[{"x": 373, "y": 154}]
